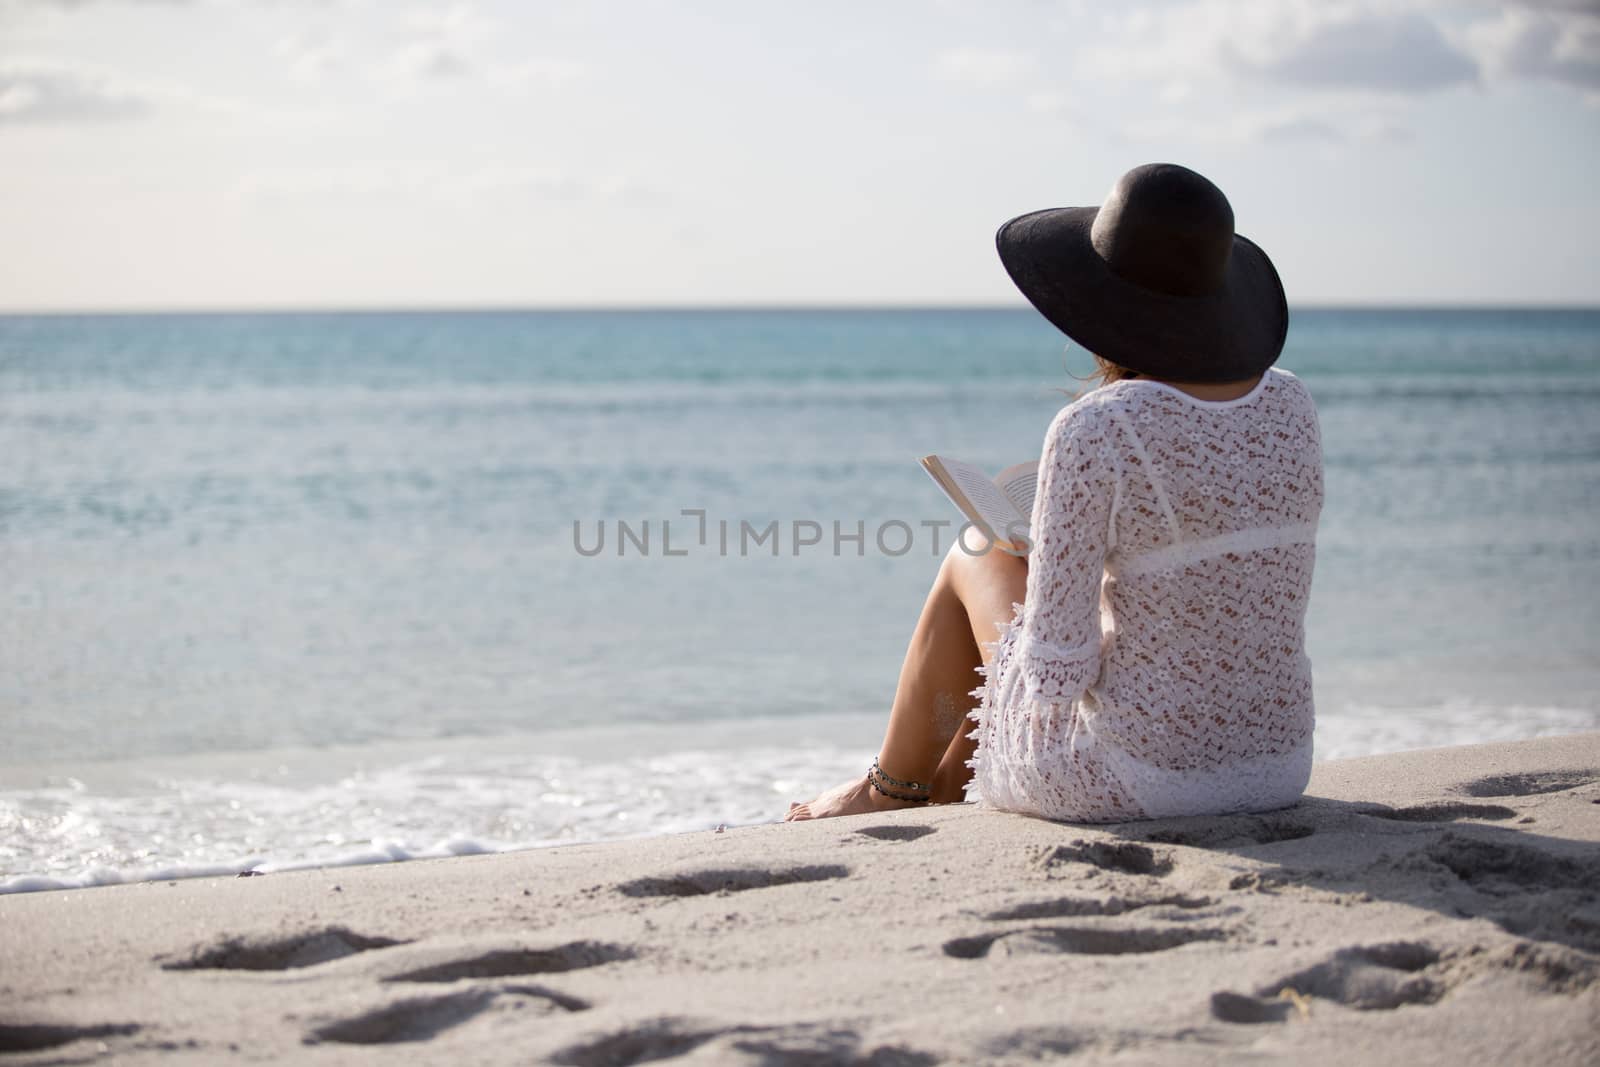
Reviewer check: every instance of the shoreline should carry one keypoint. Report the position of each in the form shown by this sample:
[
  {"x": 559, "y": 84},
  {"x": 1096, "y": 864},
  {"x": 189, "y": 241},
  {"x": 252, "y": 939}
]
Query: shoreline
[
  {"x": 532, "y": 790},
  {"x": 1429, "y": 906}
]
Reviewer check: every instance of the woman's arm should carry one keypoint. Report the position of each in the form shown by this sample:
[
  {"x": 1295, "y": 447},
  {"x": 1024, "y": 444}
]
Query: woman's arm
[{"x": 1057, "y": 654}]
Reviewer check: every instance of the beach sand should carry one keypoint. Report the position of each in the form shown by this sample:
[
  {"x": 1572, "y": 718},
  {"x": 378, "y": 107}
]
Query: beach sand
[{"x": 1425, "y": 907}]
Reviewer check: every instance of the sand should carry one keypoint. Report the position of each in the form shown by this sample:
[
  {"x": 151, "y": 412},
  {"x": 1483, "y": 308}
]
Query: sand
[{"x": 1426, "y": 907}]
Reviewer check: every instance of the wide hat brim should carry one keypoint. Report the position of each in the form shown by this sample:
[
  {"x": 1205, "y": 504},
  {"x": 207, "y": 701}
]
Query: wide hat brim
[{"x": 1234, "y": 332}]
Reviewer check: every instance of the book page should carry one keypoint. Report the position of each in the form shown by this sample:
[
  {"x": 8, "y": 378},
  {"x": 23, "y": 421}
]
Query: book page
[
  {"x": 1020, "y": 483},
  {"x": 977, "y": 497}
]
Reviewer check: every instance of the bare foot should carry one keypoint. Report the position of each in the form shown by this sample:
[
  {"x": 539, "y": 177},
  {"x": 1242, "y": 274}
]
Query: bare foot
[{"x": 852, "y": 798}]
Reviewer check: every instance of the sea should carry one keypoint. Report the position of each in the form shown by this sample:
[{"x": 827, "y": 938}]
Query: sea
[{"x": 286, "y": 590}]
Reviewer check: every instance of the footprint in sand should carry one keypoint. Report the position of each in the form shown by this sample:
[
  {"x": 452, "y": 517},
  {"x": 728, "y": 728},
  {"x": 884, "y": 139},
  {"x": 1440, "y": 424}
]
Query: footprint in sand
[
  {"x": 1525, "y": 890},
  {"x": 728, "y": 880},
  {"x": 1528, "y": 785},
  {"x": 1037, "y": 1044},
  {"x": 1241, "y": 1008},
  {"x": 659, "y": 1040},
  {"x": 1443, "y": 812},
  {"x": 1124, "y": 857},
  {"x": 1368, "y": 978},
  {"x": 1499, "y": 868},
  {"x": 1080, "y": 940},
  {"x": 1399, "y": 973},
  {"x": 280, "y": 954},
  {"x": 801, "y": 1046},
  {"x": 1074, "y": 907},
  {"x": 421, "y": 1018},
  {"x": 1236, "y": 831},
  {"x": 513, "y": 962},
  {"x": 35, "y": 1037},
  {"x": 1552, "y": 969},
  {"x": 895, "y": 832}
]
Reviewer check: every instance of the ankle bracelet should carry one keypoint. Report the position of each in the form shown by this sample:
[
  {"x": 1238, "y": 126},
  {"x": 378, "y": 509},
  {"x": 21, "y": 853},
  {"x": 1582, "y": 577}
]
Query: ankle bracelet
[
  {"x": 882, "y": 782},
  {"x": 915, "y": 787}
]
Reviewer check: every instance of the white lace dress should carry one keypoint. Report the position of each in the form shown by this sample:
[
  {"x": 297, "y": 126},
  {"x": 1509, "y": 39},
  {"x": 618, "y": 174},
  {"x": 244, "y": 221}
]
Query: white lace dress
[{"x": 1158, "y": 666}]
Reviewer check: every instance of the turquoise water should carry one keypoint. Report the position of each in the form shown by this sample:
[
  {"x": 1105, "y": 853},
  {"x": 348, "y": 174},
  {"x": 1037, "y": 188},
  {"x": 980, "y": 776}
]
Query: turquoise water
[{"x": 340, "y": 549}]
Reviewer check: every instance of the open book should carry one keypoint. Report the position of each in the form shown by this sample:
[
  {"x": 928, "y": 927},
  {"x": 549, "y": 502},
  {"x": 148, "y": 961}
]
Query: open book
[{"x": 1001, "y": 507}]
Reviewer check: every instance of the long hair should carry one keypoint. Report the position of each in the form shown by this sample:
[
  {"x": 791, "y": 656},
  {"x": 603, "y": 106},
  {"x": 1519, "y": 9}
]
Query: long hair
[{"x": 1105, "y": 373}]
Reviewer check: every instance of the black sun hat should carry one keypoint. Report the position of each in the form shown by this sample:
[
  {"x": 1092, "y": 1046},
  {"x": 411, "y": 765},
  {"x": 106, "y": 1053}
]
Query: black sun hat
[{"x": 1153, "y": 279}]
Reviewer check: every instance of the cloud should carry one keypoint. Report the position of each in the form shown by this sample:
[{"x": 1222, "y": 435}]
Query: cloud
[
  {"x": 311, "y": 58},
  {"x": 47, "y": 92},
  {"x": 50, "y": 93},
  {"x": 450, "y": 44},
  {"x": 1561, "y": 48},
  {"x": 459, "y": 22},
  {"x": 428, "y": 60},
  {"x": 1344, "y": 71},
  {"x": 1391, "y": 49},
  {"x": 984, "y": 67},
  {"x": 1193, "y": 70},
  {"x": 1590, "y": 6},
  {"x": 1196, "y": 70},
  {"x": 1369, "y": 51},
  {"x": 69, "y": 4},
  {"x": 1396, "y": 48},
  {"x": 439, "y": 45},
  {"x": 1341, "y": 129},
  {"x": 1287, "y": 125}
]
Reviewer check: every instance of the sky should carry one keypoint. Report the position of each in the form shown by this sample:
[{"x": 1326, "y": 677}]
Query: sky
[{"x": 216, "y": 154}]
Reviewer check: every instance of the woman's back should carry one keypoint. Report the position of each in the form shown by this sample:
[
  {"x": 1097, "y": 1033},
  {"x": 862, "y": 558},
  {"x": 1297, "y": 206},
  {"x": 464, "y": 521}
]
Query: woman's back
[{"x": 1188, "y": 526}]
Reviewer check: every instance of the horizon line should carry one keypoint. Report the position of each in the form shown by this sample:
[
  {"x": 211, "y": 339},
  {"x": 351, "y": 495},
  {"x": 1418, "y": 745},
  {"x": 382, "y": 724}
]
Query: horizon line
[{"x": 649, "y": 308}]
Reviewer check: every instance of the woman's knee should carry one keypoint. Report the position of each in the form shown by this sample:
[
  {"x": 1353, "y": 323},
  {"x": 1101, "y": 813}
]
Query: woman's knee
[
  {"x": 972, "y": 561},
  {"x": 970, "y": 544}
]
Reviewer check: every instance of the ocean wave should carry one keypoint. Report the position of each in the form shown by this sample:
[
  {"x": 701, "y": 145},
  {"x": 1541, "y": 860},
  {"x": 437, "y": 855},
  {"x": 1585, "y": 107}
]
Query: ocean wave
[
  {"x": 377, "y": 852},
  {"x": 512, "y": 794},
  {"x": 78, "y": 410},
  {"x": 1337, "y": 389},
  {"x": 491, "y": 795},
  {"x": 1368, "y": 729}
]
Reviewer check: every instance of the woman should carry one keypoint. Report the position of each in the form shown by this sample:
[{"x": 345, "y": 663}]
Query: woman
[{"x": 1151, "y": 659}]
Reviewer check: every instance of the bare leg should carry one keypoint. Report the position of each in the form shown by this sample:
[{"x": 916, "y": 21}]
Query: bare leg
[{"x": 926, "y": 741}]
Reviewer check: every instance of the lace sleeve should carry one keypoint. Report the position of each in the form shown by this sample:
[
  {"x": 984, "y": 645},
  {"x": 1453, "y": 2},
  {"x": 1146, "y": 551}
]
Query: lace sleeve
[{"x": 1055, "y": 654}]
